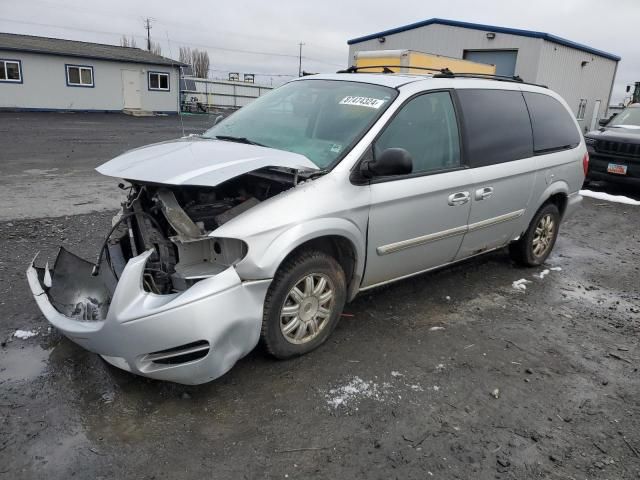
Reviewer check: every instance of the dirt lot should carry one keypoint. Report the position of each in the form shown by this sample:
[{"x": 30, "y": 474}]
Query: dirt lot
[{"x": 454, "y": 374}]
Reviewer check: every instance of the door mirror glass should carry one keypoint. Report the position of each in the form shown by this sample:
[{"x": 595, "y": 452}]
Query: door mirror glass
[{"x": 392, "y": 161}]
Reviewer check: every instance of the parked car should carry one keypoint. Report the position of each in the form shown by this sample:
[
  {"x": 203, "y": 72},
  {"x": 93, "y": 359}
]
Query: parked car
[
  {"x": 614, "y": 149},
  {"x": 267, "y": 224}
]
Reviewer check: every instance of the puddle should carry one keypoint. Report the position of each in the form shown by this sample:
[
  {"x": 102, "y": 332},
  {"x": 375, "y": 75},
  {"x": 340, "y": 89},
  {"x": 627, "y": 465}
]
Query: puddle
[{"x": 19, "y": 364}]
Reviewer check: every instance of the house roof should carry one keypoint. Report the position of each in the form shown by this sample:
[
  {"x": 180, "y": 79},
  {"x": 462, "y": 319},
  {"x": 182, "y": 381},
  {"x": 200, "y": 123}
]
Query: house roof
[
  {"x": 73, "y": 48},
  {"x": 488, "y": 28}
]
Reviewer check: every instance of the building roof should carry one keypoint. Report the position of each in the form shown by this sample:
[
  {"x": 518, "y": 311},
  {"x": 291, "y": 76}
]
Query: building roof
[
  {"x": 72, "y": 48},
  {"x": 488, "y": 28}
]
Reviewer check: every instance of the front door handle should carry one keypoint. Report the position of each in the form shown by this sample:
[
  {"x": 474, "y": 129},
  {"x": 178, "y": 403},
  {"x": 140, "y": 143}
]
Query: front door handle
[
  {"x": 484, "y": 193},
  {"x": 459, "y": 198}
]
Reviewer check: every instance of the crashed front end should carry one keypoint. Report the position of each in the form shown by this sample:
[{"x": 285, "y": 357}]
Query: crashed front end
[{"x": 163, "y": 299}]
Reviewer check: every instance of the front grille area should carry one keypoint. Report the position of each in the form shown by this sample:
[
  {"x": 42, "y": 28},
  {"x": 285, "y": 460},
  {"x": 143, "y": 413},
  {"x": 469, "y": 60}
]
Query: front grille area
[
  {"x": 182, "y": 354},
  {"x": 618, "y": 148}
]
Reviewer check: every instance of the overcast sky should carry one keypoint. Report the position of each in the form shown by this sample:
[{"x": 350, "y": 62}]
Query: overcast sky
[{"x": 254, "y": 36}]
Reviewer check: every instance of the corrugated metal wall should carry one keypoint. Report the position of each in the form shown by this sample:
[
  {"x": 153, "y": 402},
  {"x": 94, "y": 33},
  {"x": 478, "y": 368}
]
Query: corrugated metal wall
[
  {"x": 538, "y": 61},
  {"x": 221, "y": 93},
  {"x": 561, "y": 69}
]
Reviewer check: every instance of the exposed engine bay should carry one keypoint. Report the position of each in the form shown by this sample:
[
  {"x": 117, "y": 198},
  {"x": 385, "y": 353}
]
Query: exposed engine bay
[{"x": 176, "y": 221}]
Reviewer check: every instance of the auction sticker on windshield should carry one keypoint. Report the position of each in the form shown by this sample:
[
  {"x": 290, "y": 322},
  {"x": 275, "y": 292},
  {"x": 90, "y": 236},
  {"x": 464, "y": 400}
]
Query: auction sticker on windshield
[{"x": 362, "y": 101}]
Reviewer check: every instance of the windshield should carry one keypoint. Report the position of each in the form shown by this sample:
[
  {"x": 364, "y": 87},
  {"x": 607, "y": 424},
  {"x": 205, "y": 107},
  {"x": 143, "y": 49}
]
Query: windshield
[
  {"x": 320, "y": 119},
  {"x": 629, "y": 116}
]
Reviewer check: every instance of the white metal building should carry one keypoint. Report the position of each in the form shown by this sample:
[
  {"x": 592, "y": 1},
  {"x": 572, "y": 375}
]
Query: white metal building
[
  {"x": 39, "y": 73},
  {"x": 582, "y": 75}
]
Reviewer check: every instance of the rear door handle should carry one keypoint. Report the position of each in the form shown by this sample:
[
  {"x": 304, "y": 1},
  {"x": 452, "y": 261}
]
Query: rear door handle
[
  {"x": 484, "y": 193},
  {"x": 459, "y": 198}
]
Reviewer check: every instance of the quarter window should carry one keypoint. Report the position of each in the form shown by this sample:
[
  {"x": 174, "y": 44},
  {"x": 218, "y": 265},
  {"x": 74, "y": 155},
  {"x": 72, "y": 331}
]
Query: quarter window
[
  {"x": 553, "y": 126},
  {"x": 582, "y": 107},
  {"x": 79, "y": 76},
  {"x": 426, "y": 127},
  {"x": 159, "y": 81},
  {"x": 10, "y": 71},
  {"x": 496, "y": 124}
]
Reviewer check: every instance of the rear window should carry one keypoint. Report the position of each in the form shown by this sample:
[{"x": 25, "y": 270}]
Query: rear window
[
  {"x": 496, "y": 125},
  {"x": 553, "y": 125}
]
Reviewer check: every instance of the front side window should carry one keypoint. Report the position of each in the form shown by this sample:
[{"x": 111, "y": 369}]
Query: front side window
[
  {"x": 427, "y": 128},
  {"x": 10, "y": 71},
  {"x": 582, "y": 108},
  {"x": 320, "y": 119},
  {"x": 159, "y": 81},
  {"x": 553, "y": 126},
  {"x": 497, "y": 127},
  {"x": 79, "y": 76}
]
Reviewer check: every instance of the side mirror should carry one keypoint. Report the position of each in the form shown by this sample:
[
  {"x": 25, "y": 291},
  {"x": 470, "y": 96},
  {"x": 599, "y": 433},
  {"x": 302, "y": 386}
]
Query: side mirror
[
  {"x": 603, "y": 121},
  {"x": 392, "y": 161},
  {"x": 628, "y": 88}
]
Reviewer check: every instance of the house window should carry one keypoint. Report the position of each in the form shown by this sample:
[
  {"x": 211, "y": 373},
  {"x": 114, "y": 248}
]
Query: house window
[
  {"x": 10, "y": 71},
  {"x": 79, "y": 76},
  {"x": 159, "y": 81},
  {"x": 582, "y": 108}
]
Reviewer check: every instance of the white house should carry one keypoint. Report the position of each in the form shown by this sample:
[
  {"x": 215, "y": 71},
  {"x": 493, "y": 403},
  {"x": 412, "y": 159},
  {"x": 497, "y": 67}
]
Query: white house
[{"x": 49, "y": 74}]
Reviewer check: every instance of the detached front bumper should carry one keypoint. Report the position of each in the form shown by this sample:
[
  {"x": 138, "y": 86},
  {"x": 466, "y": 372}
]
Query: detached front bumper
[{"x": 190, "y": 337}]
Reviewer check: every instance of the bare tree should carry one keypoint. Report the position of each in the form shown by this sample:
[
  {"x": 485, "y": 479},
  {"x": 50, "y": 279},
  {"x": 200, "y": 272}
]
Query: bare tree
[
  {"x": 200, "y": 63},
  {"x": 185, "y": 55},
  {"x": 156, "y": 49},
  {"x": 128, "y": 42}
]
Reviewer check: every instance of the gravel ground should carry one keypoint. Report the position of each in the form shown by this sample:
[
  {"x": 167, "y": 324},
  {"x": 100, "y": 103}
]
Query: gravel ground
[{"x": 453, "y": 374}]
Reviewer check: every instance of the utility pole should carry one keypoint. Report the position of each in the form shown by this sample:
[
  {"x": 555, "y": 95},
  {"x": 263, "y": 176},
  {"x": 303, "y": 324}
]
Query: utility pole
[
  {"x": 300, "y": 60},
  {"x": 147, "y": 26}
]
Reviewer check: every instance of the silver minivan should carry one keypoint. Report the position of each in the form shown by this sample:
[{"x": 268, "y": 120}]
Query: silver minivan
[{"x": 262, "y": 228}]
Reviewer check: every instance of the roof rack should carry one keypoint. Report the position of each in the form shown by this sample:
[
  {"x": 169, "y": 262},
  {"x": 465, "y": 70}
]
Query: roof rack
[
  {"x": 488, "y": 76},
  {"x": 443, "y": 73},
  {"x": 387, "y": 69}
]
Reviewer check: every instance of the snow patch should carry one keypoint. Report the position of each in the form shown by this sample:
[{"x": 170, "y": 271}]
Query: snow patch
[
  {"x": 396, "y": 374},
  {"x": 24, "y": 334},
  {"x": 609, "y": 198},
  {"x": 355, "y": 391},
  {"x": 555, "y": 269},
  {"x": 520, "y": 284},
  {"x": 433, "y": 329},
  {"x": 543, "y": 273}
]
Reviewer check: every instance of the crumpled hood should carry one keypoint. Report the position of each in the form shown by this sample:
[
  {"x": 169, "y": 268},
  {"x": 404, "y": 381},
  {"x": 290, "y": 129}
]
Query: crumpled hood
[{"x": 197, "y": 161}]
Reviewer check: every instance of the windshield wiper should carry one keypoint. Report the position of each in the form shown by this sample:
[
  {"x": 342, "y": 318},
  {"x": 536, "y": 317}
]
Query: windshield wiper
[{"x": 231, "y": 138}]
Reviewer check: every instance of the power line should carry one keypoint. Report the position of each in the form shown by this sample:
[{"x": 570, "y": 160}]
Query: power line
[{"x": 191, "y": 44}]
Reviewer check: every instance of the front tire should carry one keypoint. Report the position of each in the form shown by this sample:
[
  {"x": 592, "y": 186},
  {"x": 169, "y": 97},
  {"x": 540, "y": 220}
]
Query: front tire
[
  {"x": 303, "y": 304},
  {"x": 534, "y": 247}
]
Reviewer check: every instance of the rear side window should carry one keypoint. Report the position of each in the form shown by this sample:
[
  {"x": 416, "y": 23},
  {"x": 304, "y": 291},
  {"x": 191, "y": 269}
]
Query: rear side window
[
  {"x": 553, "y": 126},
  {"x": 496, "y": 124}
]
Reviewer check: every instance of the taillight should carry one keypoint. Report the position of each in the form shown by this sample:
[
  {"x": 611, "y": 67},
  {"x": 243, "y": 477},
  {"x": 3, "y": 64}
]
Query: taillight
[{"x": 585, "y": 163}]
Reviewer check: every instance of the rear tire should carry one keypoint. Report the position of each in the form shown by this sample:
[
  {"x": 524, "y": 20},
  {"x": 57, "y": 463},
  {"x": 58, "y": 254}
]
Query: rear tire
[
  {"x": 303, "y": 304},
  {"x": 535, "y": 245}
]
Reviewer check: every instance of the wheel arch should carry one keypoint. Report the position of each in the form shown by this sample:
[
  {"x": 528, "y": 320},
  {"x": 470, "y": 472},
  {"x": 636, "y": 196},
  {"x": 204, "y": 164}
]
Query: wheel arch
[{"x": 337, "y": 237}]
